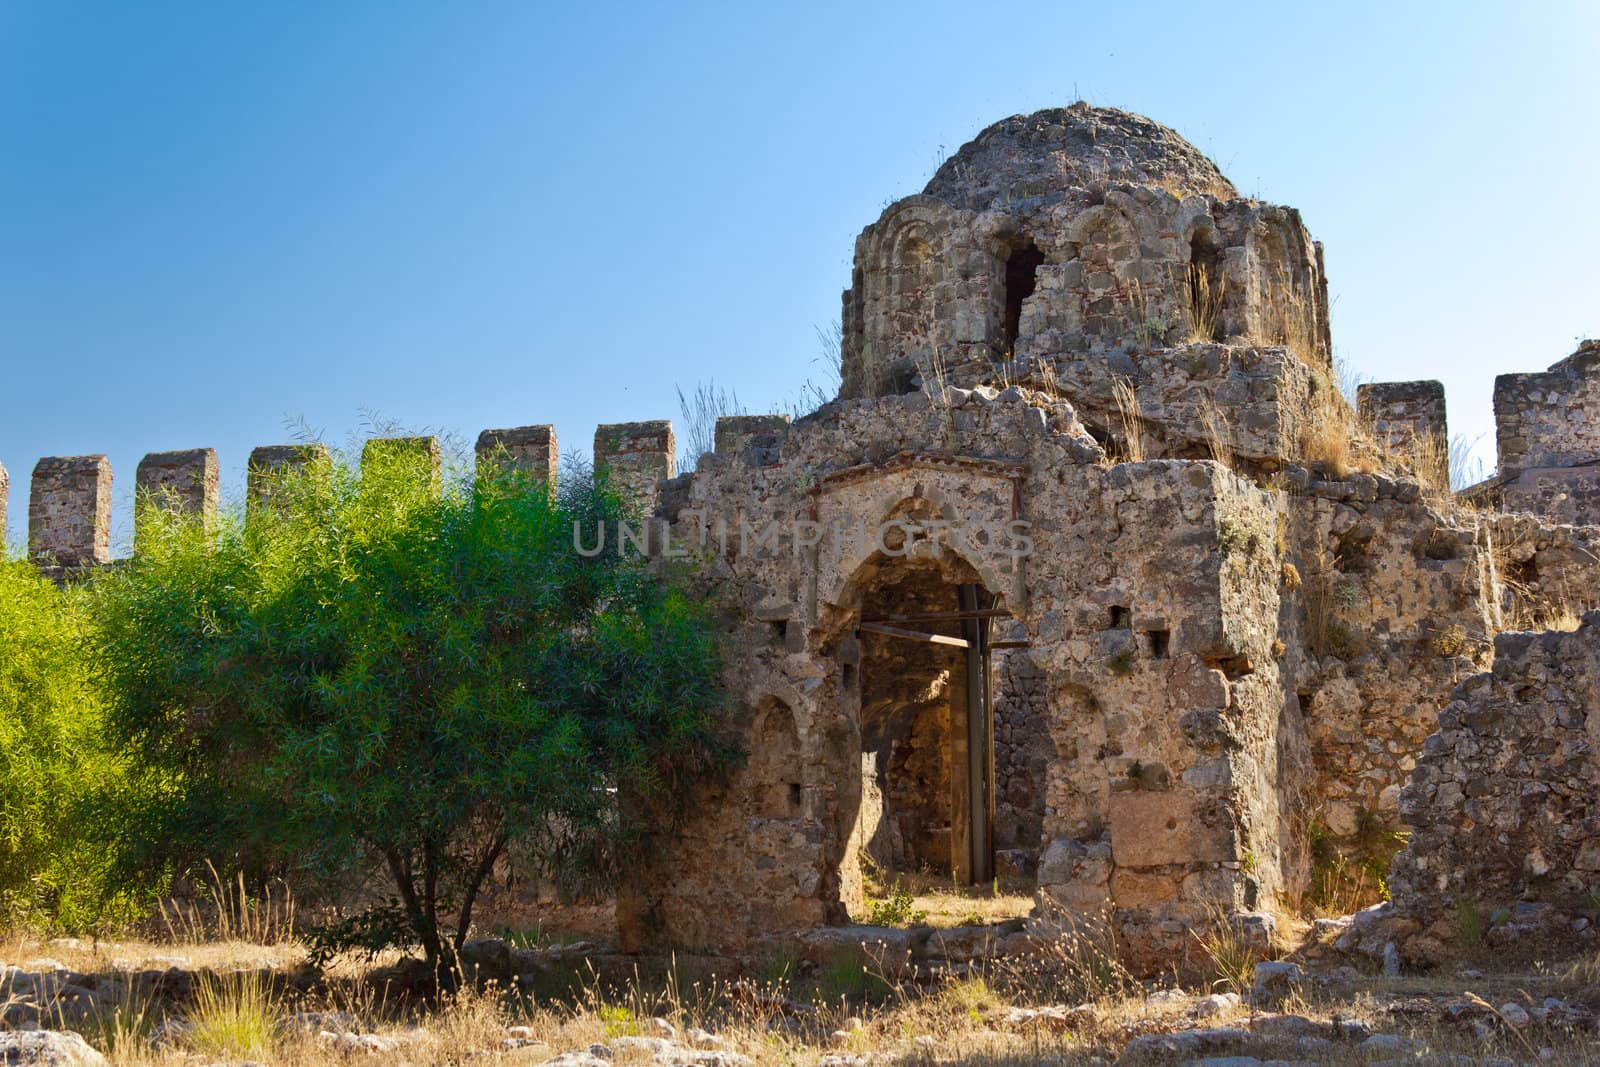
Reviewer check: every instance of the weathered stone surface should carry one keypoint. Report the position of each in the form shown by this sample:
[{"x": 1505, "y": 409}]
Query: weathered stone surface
[
  {"x": 1069, "y": 233},
  {"x": 269, "y": 463},
  {"x": 1404, "y": 415},
  {"x": 187, "y": 482},
  {"x": 1503, "y": 802},
  {"x": 525, "y": 448},
  {"x": 48, "y": 1048},
  {"x": 69, "y": 511},
  {"x": 638, "y": 455}
]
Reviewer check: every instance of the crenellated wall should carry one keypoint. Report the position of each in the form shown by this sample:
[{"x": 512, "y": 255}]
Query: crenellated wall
[{"x": 70, "y": 508}]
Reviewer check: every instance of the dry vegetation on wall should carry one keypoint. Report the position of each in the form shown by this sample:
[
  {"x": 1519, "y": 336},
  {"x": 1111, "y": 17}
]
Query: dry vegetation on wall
[
  {"x": 1131, "y": 421},
  {"x": 1525, "y": 605},
  {"x": 1203, "y": 310}
]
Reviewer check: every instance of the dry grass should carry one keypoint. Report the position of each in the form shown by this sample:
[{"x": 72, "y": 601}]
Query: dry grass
[
  {"x": 851, "y": 1005},
  {"x": 1290, "y": 320},
  {"x": 1524, "y": 603},
  {"x": 947, "y": 903},
  {"x": 1219, "y": 434},
  {"x": 1326, "y": 429},
  {"x": 1203, "y": 313},
  {"x": 1131, "y": 420}
]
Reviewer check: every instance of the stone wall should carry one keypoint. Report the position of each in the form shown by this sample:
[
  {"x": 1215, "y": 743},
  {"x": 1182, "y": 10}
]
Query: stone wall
[
  {"x": 69, "y": 511},
  {"x": 637, "y": 455},
  {"x": 531, "y": 449},
  {"x": 1547, "y": 431},
  {"x": 1393, "y": 607},
  {"x": 1408, "y": 418},
  {"x": 269, "y": 463},
  {"x": 1504, "y": 805},
  {"x": 1022, "y": 756},
  {"x": 187, "y": 482}
]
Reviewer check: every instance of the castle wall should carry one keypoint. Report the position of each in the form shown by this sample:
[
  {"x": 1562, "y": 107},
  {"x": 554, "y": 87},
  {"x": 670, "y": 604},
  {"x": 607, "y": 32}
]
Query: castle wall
[
  {"x": 1394, "y": 606},
  {"x": 637, "y": 455},
  {"x": 1547, "y": 432},
  {"x": 1504, "y": 805},
  {"x": 187, "y": 482},
  {"x": 531, "y": 449},
  {"x": 69, "y": 511},
  {"x": 268, "y": 464},
  {"x": 1408, "y": 418}
]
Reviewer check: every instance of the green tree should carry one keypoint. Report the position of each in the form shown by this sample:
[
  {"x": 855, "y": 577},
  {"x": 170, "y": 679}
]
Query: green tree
[
  {"x": 378, "y": 670},
  {"x": 54, "y": 770}
]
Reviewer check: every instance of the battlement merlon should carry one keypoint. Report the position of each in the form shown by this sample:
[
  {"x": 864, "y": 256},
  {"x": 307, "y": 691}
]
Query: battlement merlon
[
  {"x": 69, "y": 511},
  {"x": 423, "y": 451},
  {"x": 526, "y": 448},
  {"x": 1547, "y": 436},
  {"x": 5, "y": 493},
  {"x": 1400, "y": 413},
  {"x": 638, "y": 455},
  {"x": 267, "y": 465},
  {"x": 753, "y": 440},
  {"x": 186, "y": 481}
]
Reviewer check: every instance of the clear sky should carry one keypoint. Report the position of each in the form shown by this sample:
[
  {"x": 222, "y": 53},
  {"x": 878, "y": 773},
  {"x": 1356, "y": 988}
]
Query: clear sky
[{"x": 215, "y": 217}]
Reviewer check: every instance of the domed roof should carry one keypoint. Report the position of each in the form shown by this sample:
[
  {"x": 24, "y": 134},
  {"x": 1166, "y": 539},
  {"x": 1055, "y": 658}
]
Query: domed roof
[{"x": 1061, "y": 149}]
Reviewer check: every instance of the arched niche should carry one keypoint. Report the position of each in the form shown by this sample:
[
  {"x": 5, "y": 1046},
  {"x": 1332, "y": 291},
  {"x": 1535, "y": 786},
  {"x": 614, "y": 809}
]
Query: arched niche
[
  {"x": 774, "y": 771},
  {"x": 902, "y": 270},
  {"x": 1105, "y": 246}
]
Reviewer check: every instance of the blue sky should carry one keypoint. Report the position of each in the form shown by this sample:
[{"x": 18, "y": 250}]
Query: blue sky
[{"x": 218, "y": 217}]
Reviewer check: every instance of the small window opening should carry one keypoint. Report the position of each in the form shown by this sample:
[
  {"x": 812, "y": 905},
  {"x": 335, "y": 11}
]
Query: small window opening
[
  {"x": 779, "y": 629},
  {"x": 1159, "y": 642},
  {"x": 1121, "y": 618},
  {"x": 1022, "y": 276},
  {"x": 794, "y": 796},
  {"x": 849, "y": 677}
]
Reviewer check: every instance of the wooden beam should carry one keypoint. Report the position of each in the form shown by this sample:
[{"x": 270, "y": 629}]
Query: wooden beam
[
  {"x": 996, "y": 645},
  {"x": 941, "y": 616},
  {"x": 913, "y": 635}
]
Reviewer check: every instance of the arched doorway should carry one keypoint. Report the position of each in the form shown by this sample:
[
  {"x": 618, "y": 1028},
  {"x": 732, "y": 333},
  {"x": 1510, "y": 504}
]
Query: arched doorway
[{"x": 926, "y": 720}]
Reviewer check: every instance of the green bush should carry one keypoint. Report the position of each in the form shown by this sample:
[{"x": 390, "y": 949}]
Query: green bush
[
  {"x": 55, "y": 777},
  {"x": 383, "y": 671}
]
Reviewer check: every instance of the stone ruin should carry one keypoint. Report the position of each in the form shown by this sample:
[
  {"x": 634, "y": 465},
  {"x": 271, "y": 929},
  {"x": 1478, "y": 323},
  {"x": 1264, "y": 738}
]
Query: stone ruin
[{"x": 1086, "y": 577}]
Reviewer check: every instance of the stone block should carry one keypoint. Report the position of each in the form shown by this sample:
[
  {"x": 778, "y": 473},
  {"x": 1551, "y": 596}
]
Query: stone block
[
  {"x": 270, "y": 463},
  {"x": 637, "y": 456},
  {"x": 754, "y": 440},
  {"x": 1157, "y": 829},
  {"x": 69, "y": 510},
  {"x": 185, "y": 481},
  {"x": 524, "y": 448}
]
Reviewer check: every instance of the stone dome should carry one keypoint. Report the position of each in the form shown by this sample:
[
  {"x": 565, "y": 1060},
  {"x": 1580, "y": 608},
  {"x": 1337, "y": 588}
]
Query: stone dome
[{"x": 1060, "y": 150}]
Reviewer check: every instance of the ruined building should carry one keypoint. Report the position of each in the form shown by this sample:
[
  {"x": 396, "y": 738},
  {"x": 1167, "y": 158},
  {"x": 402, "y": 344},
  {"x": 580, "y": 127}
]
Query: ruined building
[{"x": 1086, "y": 575}]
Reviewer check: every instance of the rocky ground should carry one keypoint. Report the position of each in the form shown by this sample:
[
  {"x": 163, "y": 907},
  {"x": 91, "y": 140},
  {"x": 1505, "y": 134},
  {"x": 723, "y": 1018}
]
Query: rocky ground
[{"x": 1064, "y": 1001}]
